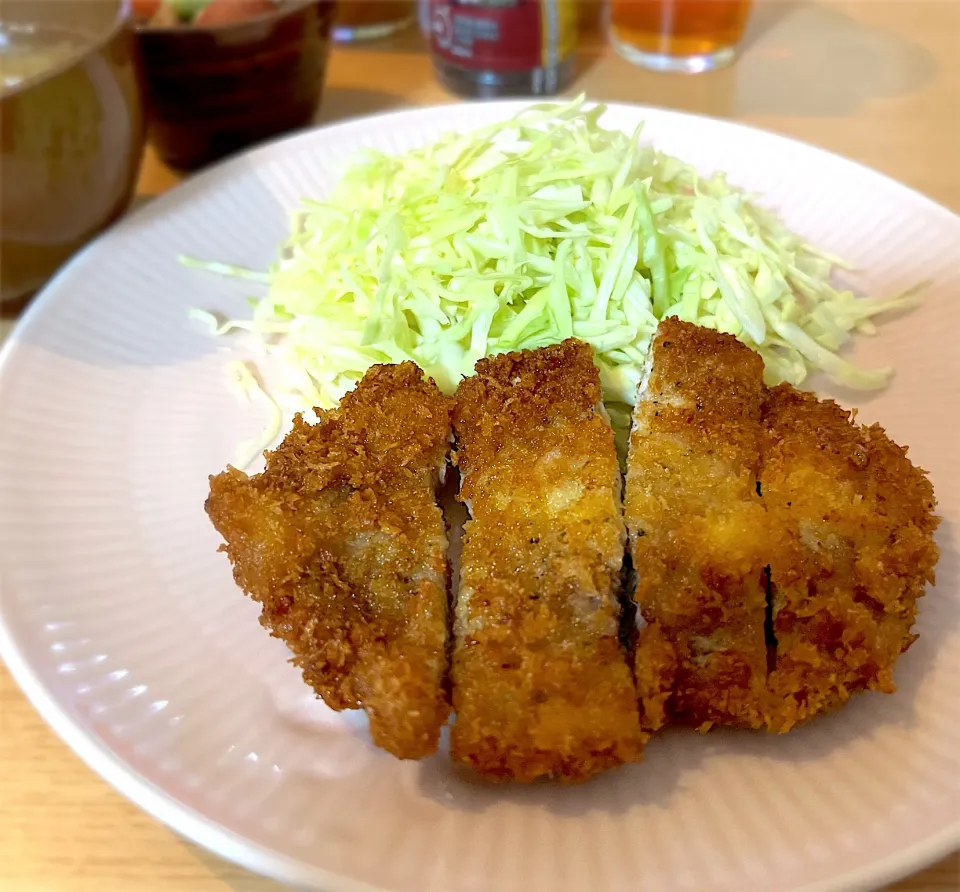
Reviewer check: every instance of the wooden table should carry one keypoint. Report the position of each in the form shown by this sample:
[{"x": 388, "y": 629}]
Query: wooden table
[{"x": 875, "y": 80}]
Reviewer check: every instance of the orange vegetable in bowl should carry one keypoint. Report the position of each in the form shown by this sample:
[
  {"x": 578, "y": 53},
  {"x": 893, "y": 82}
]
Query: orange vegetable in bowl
[{"x": 144, "y": 10}]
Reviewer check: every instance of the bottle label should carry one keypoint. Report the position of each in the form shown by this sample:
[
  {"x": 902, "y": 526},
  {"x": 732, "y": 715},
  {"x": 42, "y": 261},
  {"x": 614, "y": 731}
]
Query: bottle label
[{"x": 503, "y": 35}]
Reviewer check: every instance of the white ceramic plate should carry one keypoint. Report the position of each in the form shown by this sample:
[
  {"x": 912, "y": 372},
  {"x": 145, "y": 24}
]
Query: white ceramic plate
[{"x": 123, "y": 625}]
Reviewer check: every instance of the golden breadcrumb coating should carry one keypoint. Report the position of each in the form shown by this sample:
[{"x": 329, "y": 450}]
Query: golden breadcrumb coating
[
  {"x": 541, "y": 684},
  {"x": 698, "y": 531},
  {"x": 341, "y": 541},
  {"x": 860, "y": 523}
]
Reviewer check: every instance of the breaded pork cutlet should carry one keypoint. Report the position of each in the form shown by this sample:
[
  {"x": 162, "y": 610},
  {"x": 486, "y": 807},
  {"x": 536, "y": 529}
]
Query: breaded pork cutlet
[
  {"x": 698, "y": 531},
  {"x": 341, "y": 541},
  {"x": 541, "y": 685},
  {"x": 859, "y": 522}
]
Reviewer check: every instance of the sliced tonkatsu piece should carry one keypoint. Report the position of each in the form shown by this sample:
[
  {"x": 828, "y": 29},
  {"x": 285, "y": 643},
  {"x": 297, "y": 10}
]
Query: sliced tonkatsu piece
[
  {"x": 859, "y": 551},
  {"x": 541, "y": 685},
  {"x": 698, "y": 530},
  {"x": 341, "y": 541}
]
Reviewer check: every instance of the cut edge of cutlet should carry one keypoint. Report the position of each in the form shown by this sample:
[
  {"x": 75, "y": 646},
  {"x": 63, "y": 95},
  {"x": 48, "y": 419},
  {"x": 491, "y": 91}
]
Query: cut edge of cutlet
[
  {"x": 529, "y": 393},
  {"x": 699, "y": 357},
  {"x": 712, "y": 350}
]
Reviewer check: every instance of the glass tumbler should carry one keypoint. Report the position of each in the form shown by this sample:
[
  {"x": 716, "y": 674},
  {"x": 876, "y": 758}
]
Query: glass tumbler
[{"x": 688, "y": 36}]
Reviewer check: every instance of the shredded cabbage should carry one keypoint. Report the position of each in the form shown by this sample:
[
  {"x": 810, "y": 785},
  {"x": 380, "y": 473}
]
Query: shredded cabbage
[
  {"x": 530, "y": 231},
  {"x": 245, "y": 385}
]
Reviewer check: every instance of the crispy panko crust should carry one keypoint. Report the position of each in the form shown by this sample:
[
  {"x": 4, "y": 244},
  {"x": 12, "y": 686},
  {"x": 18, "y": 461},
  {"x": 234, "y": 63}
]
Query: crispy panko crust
[
  {"x": 698, "y": 531},
  {"x": 859, "y": 551},
  {"x": 541, "y": 684},
  {"x": 341, "y": 541}
]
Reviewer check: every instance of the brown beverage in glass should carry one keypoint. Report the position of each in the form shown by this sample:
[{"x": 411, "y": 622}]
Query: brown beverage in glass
[{"x": 678, "y": 35}]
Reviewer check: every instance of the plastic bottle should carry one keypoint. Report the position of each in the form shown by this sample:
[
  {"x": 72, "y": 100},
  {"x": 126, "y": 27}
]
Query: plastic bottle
[{"x": 493, "y": 48}]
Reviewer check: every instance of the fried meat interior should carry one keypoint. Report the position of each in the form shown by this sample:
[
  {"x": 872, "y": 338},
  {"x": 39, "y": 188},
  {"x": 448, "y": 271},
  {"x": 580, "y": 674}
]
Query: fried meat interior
[
  {"x": 698, "y": 531},
  {"x": 541, "y": 685}
]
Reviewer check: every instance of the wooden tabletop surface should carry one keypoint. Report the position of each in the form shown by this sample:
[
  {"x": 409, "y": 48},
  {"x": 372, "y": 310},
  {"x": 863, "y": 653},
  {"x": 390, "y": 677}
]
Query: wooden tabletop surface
[{"x": 875, "y": 80}]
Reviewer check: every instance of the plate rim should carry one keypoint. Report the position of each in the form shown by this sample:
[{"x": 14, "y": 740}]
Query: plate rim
[{"x": 187, "y": 821}]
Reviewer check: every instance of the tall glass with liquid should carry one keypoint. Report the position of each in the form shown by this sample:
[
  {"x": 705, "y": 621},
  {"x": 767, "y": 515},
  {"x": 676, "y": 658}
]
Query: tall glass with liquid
[{"x": 678, "y": 35}]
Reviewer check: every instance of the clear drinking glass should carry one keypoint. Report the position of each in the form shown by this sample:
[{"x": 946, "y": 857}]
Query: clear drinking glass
[
  {"x": 678, "y": 35},
  {"x": 370, "y": 19}
]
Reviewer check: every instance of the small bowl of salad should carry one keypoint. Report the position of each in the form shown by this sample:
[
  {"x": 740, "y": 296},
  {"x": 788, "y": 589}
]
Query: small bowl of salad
[{"x": 224, "y": 74}]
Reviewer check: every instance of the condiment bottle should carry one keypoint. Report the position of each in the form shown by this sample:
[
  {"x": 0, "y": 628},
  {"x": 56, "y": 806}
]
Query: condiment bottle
[{"x": 491, "y": 48}]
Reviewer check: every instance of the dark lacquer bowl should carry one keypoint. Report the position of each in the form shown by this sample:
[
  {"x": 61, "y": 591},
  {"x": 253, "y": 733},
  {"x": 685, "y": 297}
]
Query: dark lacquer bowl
[{"x": 212, "y": 90}]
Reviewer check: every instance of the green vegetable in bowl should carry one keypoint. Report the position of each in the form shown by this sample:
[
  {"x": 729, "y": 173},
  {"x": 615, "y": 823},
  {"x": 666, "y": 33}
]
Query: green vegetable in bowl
[
  {"x": 533, "y": 230},
  {"x": 187, "y": 10}
]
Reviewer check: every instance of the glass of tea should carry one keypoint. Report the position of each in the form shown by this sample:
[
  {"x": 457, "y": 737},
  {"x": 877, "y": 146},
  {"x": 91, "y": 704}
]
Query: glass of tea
[
  {"x": 678, "y": 35},
  {"x": 370, "y": 19}
]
